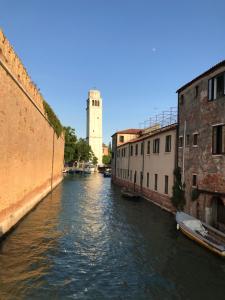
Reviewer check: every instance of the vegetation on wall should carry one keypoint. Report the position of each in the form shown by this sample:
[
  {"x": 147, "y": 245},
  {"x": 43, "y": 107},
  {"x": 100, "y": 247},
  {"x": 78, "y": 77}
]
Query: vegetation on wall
[
  {"x": 195, "y": 194},
  {"x": 178, "y": 198},
  {"x": 53, "y": 119}
]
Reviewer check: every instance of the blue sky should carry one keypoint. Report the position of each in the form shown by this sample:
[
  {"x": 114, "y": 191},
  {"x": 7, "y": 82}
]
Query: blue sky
[{"x": 136, "y": 52}]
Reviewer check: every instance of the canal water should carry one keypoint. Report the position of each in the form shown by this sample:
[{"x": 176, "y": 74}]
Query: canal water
[{"x": 86, "y": 242}]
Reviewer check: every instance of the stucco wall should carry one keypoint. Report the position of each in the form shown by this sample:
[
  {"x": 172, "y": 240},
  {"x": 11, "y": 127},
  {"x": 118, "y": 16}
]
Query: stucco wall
[
  {"x": 162, "y": 164},
  {"x": 31, "y": 159}
]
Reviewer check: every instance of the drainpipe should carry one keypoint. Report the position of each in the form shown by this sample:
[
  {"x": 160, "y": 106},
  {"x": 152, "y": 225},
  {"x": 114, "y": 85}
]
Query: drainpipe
[
  {"x": 184, "y": 144},
  {"x": 143, "y": 157}
]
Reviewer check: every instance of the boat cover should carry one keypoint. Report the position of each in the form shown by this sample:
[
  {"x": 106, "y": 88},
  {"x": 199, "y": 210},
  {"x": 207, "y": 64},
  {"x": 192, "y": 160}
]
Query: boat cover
[{"x": 196, "y": 225}]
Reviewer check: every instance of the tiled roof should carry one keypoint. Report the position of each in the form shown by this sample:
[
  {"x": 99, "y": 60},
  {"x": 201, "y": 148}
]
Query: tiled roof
[
  {"x": 150, "y": 134},
  {"x": 128, "y": 131},
  {"x": 220, "y": 64}
]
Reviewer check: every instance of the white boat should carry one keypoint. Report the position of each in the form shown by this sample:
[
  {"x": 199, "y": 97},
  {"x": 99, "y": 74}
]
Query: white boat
[
  {"x": 88, "y": 169},
  {"x": 205, "y": 235}
]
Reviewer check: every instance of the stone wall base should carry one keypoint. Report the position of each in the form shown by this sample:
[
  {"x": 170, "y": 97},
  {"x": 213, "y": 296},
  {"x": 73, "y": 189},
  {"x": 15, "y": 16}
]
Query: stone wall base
[
  {"x": 12, "y": 215},
  {"x": 163, "y": 201}
]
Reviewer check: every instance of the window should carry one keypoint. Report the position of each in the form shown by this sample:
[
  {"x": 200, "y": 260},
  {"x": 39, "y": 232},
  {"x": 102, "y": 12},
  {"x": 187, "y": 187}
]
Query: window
[
  {"x": 181, "y": 99},
  {"x": 216, "y": 87},
  {"x": 112, "y": 154},
  {"x": 180, "y": 141},
  {"x": 136, "y": 149},
  {"x": 130, "y": 175},
  {"x": 196, "y": 91},
  {"x": 195, "y": 139},
  {"x": 166, "y": 184},
  {"x": 168, "y": 143},
  {"x": 121, "y": 139},
  {"x": 131, "y": 150},
  {"x": 156, "y": 182},
  {"x": 194, "y": 180},
  {"x": 147, "y": 179},
  {"x": 187, "y": 140},
  {"x": 156, "y": 145},
  {"x": 93, "y": 102},
  {"x": 148, "y": 147},
  {"x": 218, "y": 139},
  {"x": 142, "y": 148}
]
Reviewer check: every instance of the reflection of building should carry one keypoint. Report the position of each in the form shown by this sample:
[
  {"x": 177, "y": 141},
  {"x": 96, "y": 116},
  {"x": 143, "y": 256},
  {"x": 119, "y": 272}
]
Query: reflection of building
[
  {"x": 202, "y": 144},
  {"x": 105, "y": 150},
  {"x": 94, "y": 123},
  {"x": 144, "y": 161}
]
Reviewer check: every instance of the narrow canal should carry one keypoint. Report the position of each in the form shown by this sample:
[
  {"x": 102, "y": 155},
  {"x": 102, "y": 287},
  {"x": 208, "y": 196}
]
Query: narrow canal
[{"x": 86, "y": 242}]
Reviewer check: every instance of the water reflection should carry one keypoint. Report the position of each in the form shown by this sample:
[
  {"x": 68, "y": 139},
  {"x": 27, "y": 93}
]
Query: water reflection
[
  {"x": 24, "y": 254},
  {"x": 86, "y": 242}
]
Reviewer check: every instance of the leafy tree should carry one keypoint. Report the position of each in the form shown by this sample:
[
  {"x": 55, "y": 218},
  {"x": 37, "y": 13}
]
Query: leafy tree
[
  {"x": 83, "y": 151},
  {"x": 94, "y": 160},
  {"x": 70, "y": 144},
  {"x": 178, "y": 198},
  {"x": 106, "y": 159}
]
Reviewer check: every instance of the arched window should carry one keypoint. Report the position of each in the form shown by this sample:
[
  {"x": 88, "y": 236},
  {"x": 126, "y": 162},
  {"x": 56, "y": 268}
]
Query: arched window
[
  {"x": 96, "y": 103},
  {"x": 93, "y": 102}
]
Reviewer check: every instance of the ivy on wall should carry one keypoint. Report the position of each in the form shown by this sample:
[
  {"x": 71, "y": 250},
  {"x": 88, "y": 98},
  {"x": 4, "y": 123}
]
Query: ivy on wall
[
  {"x": 53, "y": 119},
  {"x": 178, "y": 197}
]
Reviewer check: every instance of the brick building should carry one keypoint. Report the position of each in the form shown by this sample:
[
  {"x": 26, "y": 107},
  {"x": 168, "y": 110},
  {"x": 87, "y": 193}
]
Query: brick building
[{"x": 201, "y": 146}]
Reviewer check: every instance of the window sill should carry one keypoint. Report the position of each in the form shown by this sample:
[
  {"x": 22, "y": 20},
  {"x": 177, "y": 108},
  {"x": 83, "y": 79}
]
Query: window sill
[
  {"x": 218, "y": 155},
  {"x": 194, "y": 146}
]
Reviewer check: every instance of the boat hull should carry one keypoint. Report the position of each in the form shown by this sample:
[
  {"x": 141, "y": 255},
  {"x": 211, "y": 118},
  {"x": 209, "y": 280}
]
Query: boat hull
[{"x": 201, "y": 240}]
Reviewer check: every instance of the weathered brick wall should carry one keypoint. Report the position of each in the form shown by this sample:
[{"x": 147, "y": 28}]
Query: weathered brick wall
[
  {"x": 30, "y": 162},
  {"x": 200, "y": 115}
]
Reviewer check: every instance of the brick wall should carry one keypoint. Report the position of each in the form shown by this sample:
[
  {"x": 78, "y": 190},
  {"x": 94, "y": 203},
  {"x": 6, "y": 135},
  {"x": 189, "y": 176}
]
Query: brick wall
[{"x": 31, "y": 154}]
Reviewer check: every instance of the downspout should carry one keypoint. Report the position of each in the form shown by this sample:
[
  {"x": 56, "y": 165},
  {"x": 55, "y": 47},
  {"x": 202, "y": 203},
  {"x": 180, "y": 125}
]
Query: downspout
[
  {"x": 184, "y": 144},
  {"x": 143, "y": 165}
]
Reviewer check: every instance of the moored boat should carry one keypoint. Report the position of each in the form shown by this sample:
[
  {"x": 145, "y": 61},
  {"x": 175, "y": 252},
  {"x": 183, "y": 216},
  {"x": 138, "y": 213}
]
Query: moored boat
[
  {"x": 107, "y": 173},
  {"x": 130, "y": 195},
  {"x": 201, "y": 233}
]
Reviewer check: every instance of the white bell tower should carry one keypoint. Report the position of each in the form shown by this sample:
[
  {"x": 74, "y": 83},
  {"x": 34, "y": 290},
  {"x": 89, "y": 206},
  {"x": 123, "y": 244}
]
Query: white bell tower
[{"x": 94, "y": 123}]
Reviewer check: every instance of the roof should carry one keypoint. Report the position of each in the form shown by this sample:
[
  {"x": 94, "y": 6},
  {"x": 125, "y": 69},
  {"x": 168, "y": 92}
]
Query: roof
[
  {"x": 128, "y": 131},
  {"x": 150, "y": 134},
  {"x": 212, "y": 69}
]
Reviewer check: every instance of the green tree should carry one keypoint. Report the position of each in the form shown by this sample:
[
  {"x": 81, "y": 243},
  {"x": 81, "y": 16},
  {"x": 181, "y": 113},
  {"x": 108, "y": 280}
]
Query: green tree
[
  {"x": 178, "y": 198},
  {"x": 70, "y": 144},
  {"x": 106, "y": 159},
  {"x": 94, "y": 160},
  {"x": 83, "y": 151}
]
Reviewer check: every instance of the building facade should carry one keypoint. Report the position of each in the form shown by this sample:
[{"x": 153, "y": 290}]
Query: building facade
[
  {"x": 145, "y": 163},
  {"x": 201, "y": 146},
  {"x": 94, "y": 123}
]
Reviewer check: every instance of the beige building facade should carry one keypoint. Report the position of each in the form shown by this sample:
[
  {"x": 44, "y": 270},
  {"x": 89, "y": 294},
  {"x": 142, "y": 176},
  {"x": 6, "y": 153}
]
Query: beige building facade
[
  {"x": 94, "y": 123},
  {"x": 146, "y": 163}
]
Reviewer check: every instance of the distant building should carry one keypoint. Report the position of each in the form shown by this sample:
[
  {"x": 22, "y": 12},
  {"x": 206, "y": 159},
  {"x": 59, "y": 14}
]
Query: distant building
[
  {"x": 144, "y": 161},
  {"x": 201, "y": 148},
  {"x": 94, "y": 123},
  {"x": 105, "y": 150}
]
